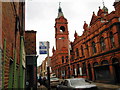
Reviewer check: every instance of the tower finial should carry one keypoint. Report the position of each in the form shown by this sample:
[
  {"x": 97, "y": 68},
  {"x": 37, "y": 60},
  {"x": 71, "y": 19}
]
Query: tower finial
[
  {"x": 103, "y": 3},
  {"x": 59, "y": 4}
]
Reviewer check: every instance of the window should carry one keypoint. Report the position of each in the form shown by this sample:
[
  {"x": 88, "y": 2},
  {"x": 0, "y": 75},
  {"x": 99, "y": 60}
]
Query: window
[
  {"x": 66, "y": 58},
  {"x": 93, "y": 47},
  {"x": 87, "y": 49},
  {"x": 102, "y": 44},
  {"x": 77, "y": 52},
  {"x": 82, "y": 51},
  {"x": 112, "y": 40},
  {"x": 62, "y": 59},
  {"x": 72, "y": 58}
]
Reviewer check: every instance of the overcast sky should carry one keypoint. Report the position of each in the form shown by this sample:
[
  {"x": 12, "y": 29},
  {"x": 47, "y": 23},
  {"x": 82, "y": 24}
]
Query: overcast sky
[{"x": 41, "y": 14}]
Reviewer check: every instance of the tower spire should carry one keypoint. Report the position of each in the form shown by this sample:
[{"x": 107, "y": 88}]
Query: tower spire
[
  {"x": 59, "y": 4},
  {"x": 60, "y": 13}
]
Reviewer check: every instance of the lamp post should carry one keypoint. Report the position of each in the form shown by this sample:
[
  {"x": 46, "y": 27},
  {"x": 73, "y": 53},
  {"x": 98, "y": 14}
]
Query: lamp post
[{"x": 48, "y": 66}]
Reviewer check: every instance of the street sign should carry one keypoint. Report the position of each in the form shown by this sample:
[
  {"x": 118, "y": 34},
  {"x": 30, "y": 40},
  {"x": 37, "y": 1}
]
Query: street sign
[{"x": 43, "y": 47}]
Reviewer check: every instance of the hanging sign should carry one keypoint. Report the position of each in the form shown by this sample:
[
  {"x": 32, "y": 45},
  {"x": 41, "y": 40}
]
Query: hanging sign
[{"x": 43, "y": 47}]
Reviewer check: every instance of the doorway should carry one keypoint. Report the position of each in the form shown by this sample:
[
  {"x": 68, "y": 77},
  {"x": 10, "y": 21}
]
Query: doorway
[{"x": 89, "y": 72}]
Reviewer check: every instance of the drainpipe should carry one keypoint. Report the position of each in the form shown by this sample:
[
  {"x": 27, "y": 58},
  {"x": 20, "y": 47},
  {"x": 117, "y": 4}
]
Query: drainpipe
[
  {"x": 0, "y": 68},
  {"x": 21, "y": 67},
  {"x": 15, "y": 71},
  {"x": 3, "y": 63}
]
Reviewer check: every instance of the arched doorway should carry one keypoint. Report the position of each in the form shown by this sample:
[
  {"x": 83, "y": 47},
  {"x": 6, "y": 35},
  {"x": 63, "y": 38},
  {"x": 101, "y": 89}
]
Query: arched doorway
[
  {"x": 102, "y": 72},
  {"x": 116, "y": 69},
  {"x": 96, "y": 68},
  {"x": 89, "y": 72}
]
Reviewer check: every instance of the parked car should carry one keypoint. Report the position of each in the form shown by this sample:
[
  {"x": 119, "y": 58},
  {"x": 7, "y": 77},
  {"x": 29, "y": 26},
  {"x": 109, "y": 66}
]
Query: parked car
[
  {"x": 76, "y": 84},
  {"x": 54, "y": 81}
]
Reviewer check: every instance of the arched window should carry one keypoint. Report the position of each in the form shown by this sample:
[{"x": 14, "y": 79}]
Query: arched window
[
  {"x": 102, "y": 44},
  {"x": 93, "y": 47},
  {"x": 112, "y": 40},
  {"x": 62, "y": 59},
  {"x": 82, "y": 50},
  {"x": 62, "y": 29},
  {"x": 77, "y": 52}
]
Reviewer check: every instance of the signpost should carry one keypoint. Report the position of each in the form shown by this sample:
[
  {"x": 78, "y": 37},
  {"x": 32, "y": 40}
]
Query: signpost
[{"x": 44, "y": 49}]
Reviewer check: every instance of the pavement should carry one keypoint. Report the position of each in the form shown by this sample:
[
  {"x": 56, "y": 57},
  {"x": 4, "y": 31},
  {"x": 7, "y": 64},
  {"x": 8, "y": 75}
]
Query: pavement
[
  {"x": 107, "y": 86},
  {"x": 100, "y": 85}
]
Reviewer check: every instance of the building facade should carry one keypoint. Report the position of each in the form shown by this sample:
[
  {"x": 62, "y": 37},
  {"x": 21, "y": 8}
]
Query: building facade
[
  {"x": 93, "y": 55},
  {"x": 60, "y": 56},
  {"x": 11, "y": 35},
  {"x": 31, "y": 59}
]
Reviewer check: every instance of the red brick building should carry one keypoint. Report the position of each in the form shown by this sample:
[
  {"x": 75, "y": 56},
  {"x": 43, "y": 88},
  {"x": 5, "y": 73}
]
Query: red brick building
[
  {"x": 31, "y": 59},
  {"x": 13, "y": 20},
  {"x": 95, "y": 54}
]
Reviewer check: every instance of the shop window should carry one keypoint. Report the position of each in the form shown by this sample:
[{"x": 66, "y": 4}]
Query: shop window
[
  {"x": 112, "y": 40},
  {"x": 73, "y": 70},
  {"x": 84, "y": 69},
  {"x": 102, "y": 44},
  {"x": 94, "y": 47}
]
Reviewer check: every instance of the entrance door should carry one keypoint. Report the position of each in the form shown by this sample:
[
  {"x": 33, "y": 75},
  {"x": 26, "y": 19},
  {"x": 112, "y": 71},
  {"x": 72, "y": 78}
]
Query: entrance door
[
  {"x": 89, "y": 72},
  {"x": 117, "y": 72}
]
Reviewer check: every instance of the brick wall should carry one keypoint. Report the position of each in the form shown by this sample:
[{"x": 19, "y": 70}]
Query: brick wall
[
  {"x": 11, "y": 35},
  {"x": 30, "y": 42}
]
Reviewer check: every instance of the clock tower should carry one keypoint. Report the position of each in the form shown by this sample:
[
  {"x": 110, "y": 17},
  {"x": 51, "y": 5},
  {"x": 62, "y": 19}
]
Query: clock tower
[{"x": 61, "y": 30}]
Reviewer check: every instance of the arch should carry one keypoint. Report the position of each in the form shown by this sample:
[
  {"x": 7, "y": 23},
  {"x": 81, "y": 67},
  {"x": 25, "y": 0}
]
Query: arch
[
  {"x": 95, "y": 64},
  {"x": 62, "y": 29},
  {"x": 104, "y": 62},
  {"x": 115, "y": 61}
]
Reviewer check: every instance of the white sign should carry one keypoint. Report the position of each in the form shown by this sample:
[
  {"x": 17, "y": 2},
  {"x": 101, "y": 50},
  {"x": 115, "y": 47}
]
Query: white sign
[{"x": 43, "y": 47}]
